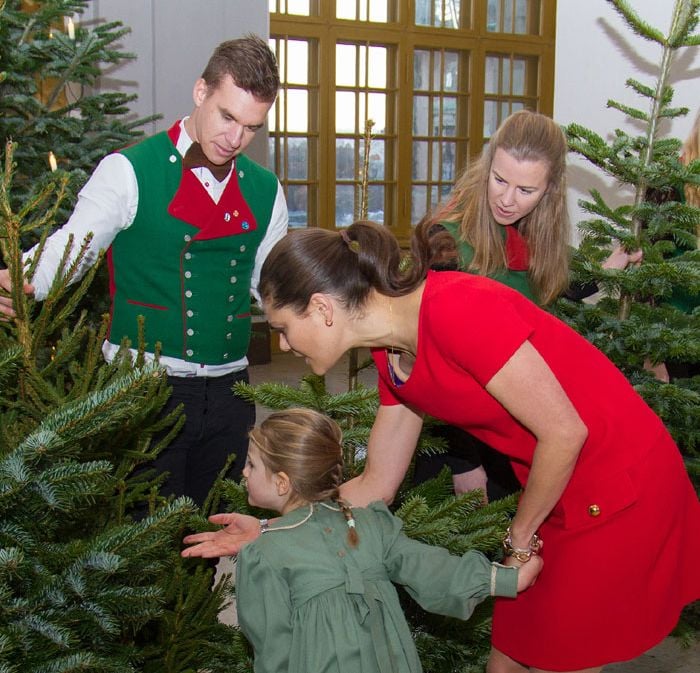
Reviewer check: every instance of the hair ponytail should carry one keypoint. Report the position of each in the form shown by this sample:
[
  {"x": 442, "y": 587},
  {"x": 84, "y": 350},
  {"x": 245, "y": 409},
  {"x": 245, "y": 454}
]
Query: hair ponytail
[{"x": 348, "y": 264}]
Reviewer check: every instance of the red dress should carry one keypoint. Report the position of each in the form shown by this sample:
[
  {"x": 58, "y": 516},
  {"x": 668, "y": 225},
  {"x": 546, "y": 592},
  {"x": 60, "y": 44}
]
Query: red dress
[{"x": 613, "y": 584}]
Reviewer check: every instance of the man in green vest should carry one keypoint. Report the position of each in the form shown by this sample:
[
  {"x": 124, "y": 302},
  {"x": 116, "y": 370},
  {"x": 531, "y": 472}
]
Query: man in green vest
[{"x": 187, "y": 221}]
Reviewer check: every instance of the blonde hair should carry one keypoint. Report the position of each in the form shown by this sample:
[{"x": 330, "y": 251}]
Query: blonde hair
[
  {"x": 307, "y": 446},
  {"x": 526, "y": 136},
  {"x": 691, "y": 152}
]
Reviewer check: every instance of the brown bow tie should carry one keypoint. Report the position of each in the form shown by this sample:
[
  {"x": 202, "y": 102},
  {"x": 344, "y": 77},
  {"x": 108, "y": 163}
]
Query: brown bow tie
[{"x": 195, "y": 157}]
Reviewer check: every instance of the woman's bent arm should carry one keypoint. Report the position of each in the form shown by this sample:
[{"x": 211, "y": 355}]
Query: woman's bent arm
[
  {"x": 530, "y": 392},
  {"x": 391, "y": 445}
]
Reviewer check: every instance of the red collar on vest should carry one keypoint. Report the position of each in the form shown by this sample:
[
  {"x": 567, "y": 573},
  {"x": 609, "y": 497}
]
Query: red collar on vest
[
  {"x": 517, "y": 252},
  {"x": 192, "y": 204}
]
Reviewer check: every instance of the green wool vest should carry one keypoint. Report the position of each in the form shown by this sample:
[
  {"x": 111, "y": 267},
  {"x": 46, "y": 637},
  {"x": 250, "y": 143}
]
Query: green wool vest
[
  {"x": 518, "y": 280},
  {"x": 185, "y": 263}
]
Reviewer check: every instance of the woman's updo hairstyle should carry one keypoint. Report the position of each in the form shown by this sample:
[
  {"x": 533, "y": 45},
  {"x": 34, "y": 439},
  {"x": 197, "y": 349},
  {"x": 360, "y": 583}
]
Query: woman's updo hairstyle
[{"x": 346, "y": 264}]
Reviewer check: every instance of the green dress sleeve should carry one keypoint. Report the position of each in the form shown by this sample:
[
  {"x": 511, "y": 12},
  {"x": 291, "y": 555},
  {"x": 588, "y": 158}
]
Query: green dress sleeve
[
  {"x": 264, "y": 610},
  {"x": 439, "y": 581}
]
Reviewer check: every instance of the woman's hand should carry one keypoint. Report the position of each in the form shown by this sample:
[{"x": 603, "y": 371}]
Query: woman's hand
[
  {"x": 619, "y": 258},
  {"x": 239, "y": 530},
  {"x": 470, "y": 481}
]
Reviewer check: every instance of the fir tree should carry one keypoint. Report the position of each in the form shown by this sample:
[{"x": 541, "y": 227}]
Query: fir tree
[
  {"x": 49, "y": 66},
  {"x": 646, "y": 316},
  {"x": 82, "y": 585}
]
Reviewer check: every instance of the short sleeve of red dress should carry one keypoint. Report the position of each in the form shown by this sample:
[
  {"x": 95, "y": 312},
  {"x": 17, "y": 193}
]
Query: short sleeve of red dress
[{"x": 467, "y": 324}]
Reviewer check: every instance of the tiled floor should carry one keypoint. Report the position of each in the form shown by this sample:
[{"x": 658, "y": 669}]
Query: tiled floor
[{"x": 667, "y": 657}]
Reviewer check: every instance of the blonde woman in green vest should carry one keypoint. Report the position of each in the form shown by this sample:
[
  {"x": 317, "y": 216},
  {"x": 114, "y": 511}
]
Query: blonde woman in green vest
[{"x": 186, "y": 220}]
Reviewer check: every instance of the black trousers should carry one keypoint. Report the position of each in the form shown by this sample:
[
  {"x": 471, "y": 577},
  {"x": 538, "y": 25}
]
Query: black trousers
[{"x": 216, "y": 425}]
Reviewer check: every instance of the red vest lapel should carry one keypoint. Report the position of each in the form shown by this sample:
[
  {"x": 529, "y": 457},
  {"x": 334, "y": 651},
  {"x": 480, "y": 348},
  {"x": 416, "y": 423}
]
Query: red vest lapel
[
  {"x": 192, "y": 204},
  {"x": 517, "y": 253}
]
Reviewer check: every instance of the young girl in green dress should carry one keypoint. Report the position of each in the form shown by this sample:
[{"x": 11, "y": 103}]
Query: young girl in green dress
[{"x": 314, "y": 591}]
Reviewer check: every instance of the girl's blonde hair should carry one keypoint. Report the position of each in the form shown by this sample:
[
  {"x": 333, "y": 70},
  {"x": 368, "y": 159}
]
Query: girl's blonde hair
[
  {"x": 307, "y": 446},
  {"x": 526, "y": 136},
  {"x": 691, "y": 152}
]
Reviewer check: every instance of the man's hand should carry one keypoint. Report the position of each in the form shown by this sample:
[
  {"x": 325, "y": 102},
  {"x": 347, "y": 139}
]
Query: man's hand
[
  {"x": 239, "y": 530},
  {"x": 6, "y": 308}
]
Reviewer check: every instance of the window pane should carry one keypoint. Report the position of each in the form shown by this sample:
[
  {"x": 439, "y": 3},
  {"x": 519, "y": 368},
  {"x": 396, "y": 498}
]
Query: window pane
[
  {"x": 505, "y": 86},
  {"x": 345, "y": 112},
  {"x": 437, "y": 77},
  {"x": 490, "y": 118},
  {"x": 507, "y": 26},
  {"x": 449, "y": 116},
  {"x": 451, "y": 13},
  {"x": 419, "y": 202},
  {"x": 377, "y": 111},
  {"x": 344, "y": 205},
  {"x": 378, "y": 11},
  {"x": 297, "y": 110},
  {"x": 375, "y": 169},
  {"x": 420, "y": 160},
  {"x": 300, "y": 7},
  {"x": 423, "y": 14},
  {"x": 421, "y": 77},
  {"x": 491, "y": 80},
  {"x": 375, "y": 203},
  {"x": 420, "y": 115},
  {"x": 449, "y": 156},
  {"x": 435, "y": 163},
  {"x": 451, "y": 71},
  {"x": 344, "y": 159},
  {"x": 345, "y": 65},
  {"x": 272, "y": 154},
  {"x": 493, "y": 16},
  {"x": 297, "y": 203},
  {"x": 518, "y": 77},
  {"x": 435, "y": 118},
  {"x": 362, "y": 70},
  {"x": 377, "y": 67},
  {"x": 346, "y": 9},
  {"x": 505, "y": 110},
  {"x": 298, "y": 158},
  {"x": 521, "y": 16},
  {"x": 297, "y": 62}
]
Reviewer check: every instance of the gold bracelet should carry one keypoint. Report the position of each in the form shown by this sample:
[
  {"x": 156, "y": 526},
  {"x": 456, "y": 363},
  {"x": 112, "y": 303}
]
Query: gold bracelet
[{"x": 522, "y": 555}]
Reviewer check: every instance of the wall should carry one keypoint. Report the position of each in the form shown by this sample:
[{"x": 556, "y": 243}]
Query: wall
[
  {"x": 595, "y": 54},
  {"x": 173, "y": 40}
]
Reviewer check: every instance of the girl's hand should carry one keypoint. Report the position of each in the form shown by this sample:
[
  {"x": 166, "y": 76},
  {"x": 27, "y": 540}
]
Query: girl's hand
[
  {"x": 239, "y": 530},
  {"x": 528, "y": 572}
]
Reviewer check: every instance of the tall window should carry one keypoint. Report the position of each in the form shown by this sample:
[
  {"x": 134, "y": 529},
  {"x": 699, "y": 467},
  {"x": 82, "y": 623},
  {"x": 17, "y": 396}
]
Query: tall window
[{"x": 434, "y": 78}]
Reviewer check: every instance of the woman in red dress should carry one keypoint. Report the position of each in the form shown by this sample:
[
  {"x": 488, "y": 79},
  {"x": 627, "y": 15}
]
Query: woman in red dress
[{"x": 605, "y": 487}]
